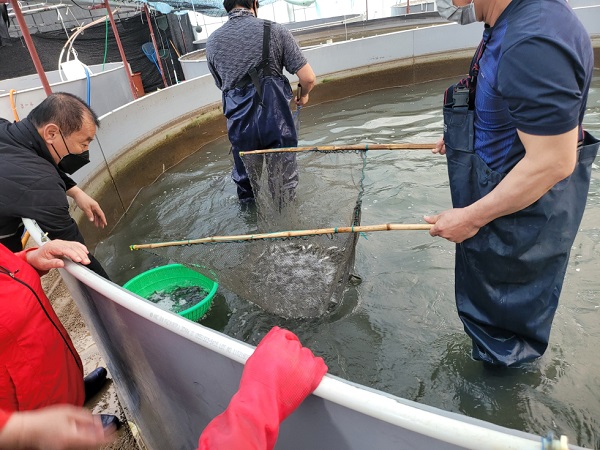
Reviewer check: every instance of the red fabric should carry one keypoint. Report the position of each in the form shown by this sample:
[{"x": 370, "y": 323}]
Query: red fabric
[
  {"x": 278, "y": 376},
  {"x": 4, "y": 416},
  {"x": 36, "y": 367}
]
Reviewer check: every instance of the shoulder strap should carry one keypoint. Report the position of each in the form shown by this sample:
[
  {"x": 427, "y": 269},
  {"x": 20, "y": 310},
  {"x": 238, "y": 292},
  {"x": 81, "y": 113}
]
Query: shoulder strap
[
  {"x": 264, "y": 65},
  {"x": 462, "y": 94}
]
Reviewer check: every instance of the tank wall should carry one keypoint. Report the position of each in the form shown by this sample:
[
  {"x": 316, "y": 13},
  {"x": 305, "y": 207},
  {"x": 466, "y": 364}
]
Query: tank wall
[
  {"x": 108, "y": 90},
  {"x": 193, "y": 68},
  {"x": 349, "y": 55}
]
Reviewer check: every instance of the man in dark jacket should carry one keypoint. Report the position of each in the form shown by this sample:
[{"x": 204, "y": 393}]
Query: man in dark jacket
[{"x": 37, "y": 153}]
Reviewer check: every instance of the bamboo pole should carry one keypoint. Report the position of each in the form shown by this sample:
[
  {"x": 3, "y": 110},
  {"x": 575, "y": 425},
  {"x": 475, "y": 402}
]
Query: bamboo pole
[
  {"x": 287, "y": 234},
  {"x": 24, "y": 239},
  {"x": 336, "y": 148}
]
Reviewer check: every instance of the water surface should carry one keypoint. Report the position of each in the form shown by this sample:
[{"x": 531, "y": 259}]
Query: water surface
[{"x": 398, "y": 330}]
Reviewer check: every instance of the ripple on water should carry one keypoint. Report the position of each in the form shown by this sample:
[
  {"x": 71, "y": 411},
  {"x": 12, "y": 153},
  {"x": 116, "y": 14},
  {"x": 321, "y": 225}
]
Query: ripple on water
[{"x": 398, "y": 330}]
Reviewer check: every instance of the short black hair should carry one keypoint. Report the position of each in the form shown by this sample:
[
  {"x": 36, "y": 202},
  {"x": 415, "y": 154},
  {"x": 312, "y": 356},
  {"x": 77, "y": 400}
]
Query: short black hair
[
  {"x": 66, "y": 110},
  {"x": 230, "y": 4}
]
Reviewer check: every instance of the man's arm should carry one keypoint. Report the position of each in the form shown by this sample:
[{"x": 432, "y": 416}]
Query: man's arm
[
  {"x": 547, "y": 160},
  {"x": 49, "y": 256},
  {"x": 306, "y": 79},
  {"x": 63, "y": 427},
  {"x": 89, "y": 206}
]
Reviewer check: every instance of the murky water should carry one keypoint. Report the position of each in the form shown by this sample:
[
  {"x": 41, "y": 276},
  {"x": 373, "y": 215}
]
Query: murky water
[{"x": 397, "y": 331}]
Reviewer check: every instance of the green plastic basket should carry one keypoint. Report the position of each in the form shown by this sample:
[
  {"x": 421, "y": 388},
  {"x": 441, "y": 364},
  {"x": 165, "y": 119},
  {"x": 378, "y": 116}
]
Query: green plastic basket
[{"x": 170, "y": 277}]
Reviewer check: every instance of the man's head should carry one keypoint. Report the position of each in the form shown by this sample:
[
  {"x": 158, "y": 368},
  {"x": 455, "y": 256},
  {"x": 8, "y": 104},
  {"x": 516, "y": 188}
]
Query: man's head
[
  {"x": 468, "y": 11},
  {"x": 248, "y": 4},
  {"x": 67, "y": 125},
  {"x": 459, "y": 11}
]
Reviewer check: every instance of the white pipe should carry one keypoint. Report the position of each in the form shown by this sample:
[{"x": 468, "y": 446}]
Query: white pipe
[{"x": 46, "y": 8}]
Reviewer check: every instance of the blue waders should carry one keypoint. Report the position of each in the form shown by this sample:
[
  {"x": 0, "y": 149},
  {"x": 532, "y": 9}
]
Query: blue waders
[
  {"x": 259, "y": 117},
  {"x": 509, "y": 276}
]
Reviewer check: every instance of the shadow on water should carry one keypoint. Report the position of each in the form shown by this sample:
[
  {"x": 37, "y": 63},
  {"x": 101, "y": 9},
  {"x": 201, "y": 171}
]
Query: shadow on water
[{"x": 398, "y": 330}]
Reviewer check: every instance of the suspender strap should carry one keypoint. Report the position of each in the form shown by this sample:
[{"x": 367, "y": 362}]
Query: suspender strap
[
  {"x": 253, "y": 74},
  {"x": 462, "y": 94}
]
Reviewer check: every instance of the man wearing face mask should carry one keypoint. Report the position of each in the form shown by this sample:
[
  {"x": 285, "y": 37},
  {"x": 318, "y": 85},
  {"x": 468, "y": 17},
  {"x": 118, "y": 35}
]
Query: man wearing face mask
[
  {"x": 246, "y": 57},
  {"x": 37, "y": 153},
  {"x": 519, "y": 165}
]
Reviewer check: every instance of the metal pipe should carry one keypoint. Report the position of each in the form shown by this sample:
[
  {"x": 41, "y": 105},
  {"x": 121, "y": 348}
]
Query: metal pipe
[
  {"x": 42, "y": 9},
  {"x": 121, "y": 51},
  {"x": 158, "y": 58},
  {"x": 31, "y": 47}
]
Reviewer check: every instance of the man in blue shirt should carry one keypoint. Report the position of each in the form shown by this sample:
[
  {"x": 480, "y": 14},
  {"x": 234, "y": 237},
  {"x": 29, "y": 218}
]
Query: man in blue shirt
[{"x": 519, "y": 165}]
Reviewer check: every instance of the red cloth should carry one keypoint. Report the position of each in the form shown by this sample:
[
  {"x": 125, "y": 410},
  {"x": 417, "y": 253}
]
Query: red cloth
[
  {"x": 4, "y": 416},
  {"x": 36, "y": 367},
  {"x": 278, "y": 376}
]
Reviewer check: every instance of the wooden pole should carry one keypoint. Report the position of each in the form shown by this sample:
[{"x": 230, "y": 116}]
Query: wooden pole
[
  {"x": 337, "y": 148},
  {"x": 288, "y": 234}
]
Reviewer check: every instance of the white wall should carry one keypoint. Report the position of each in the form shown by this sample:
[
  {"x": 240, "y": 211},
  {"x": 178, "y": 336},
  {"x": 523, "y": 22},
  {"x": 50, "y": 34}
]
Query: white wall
[{"x": 108, "y": 90}]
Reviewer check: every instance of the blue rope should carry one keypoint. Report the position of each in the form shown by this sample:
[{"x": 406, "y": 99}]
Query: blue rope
[{"x": 89, "y": 87}]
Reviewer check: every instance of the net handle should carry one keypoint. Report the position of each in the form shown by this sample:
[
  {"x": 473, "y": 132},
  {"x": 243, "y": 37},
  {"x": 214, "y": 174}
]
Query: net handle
[
  {"x": 337, "y": 148},
  {"x": 288, "y": 234}
]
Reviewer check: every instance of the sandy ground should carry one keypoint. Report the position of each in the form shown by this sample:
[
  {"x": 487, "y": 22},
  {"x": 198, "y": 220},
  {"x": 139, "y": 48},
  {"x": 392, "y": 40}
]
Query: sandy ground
[{"x": 106, "y": 401}]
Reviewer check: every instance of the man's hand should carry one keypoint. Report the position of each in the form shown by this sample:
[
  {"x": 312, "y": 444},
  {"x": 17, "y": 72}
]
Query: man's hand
[
  {"x": 307, "y": 80},
  {"x": 440, "y": 147},
  {"x": 62, "y": 427},
  {"x": 302, "y": 100},
  {"x": 89, "y": 206},
  {"x": 49, "y": 255},
  {"x": 456, "y": 225}
]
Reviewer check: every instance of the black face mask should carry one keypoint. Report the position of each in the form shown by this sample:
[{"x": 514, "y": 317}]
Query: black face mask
[{"x": 72, "y": 162}]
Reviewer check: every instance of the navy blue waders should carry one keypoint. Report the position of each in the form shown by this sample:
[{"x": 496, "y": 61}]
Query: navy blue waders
[
  {"x": 259, "y": 117},
  {"x": 509, "y": 276}
]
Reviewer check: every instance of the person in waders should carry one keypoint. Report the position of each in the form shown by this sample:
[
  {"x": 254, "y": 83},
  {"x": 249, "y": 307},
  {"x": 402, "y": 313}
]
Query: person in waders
[
  {"x": 246, "y": 57},
  {"x": 519, "y": 164}
]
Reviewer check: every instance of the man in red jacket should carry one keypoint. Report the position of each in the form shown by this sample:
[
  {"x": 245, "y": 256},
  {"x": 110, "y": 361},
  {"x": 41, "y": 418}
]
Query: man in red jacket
[{"x": 39, "y": 366}]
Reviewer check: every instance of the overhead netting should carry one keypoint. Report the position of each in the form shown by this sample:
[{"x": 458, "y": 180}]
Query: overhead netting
[
  {"x": 296, "y": 277},
  {"x": 212, "y": 8}
]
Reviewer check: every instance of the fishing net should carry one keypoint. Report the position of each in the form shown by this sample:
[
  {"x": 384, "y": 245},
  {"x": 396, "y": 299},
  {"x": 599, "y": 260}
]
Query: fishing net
[{"x": 296, "y": 277}]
